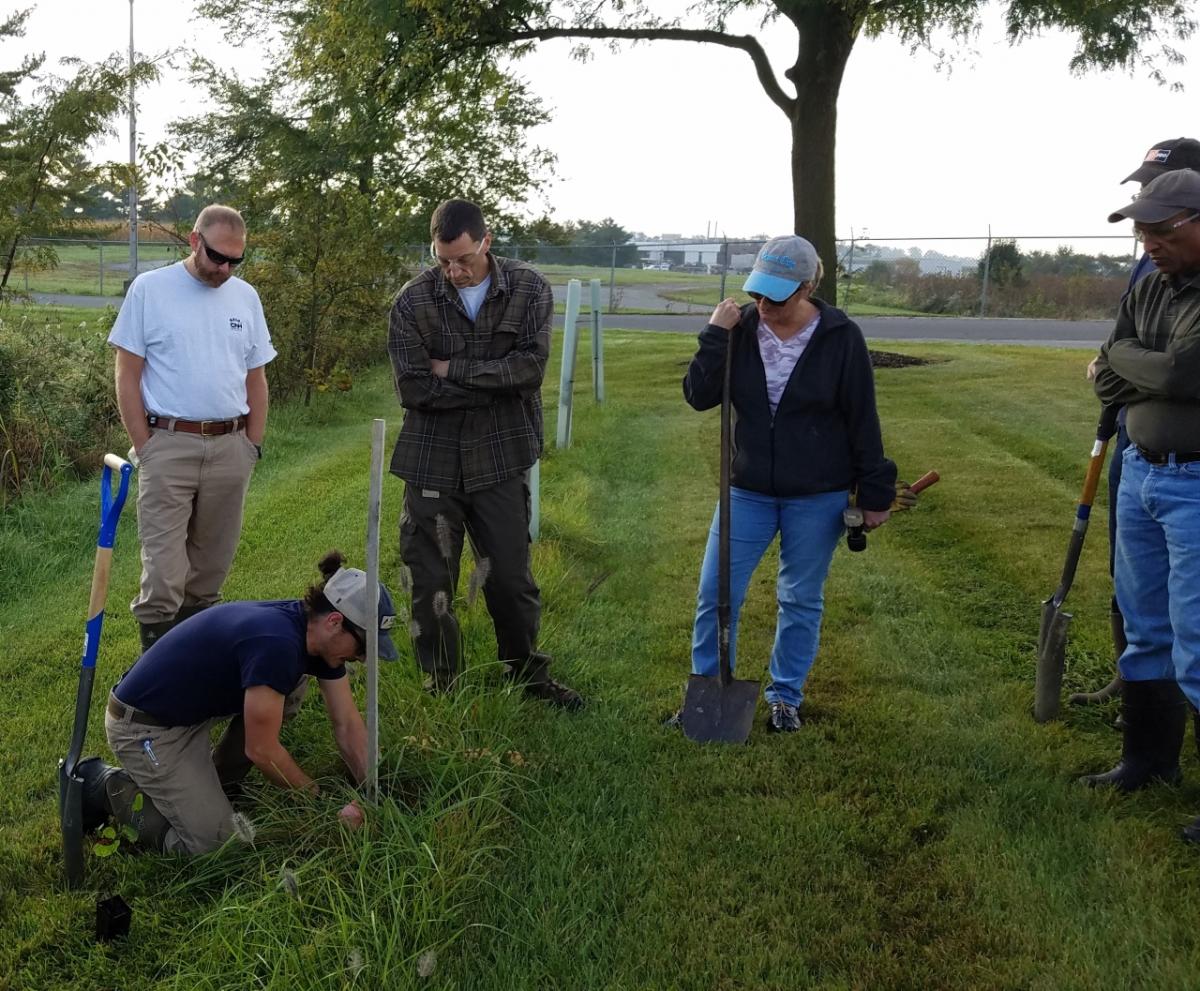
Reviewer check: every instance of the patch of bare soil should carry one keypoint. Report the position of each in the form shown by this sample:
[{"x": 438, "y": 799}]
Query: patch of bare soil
[{"x": 889, "y": 359}]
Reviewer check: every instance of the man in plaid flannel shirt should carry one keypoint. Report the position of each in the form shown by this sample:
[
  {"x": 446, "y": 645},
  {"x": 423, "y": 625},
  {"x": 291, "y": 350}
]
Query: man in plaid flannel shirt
[{"x": 469, "y": 339}]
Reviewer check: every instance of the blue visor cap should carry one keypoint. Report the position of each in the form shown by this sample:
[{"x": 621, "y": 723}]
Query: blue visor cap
[
  {"x": 773, "y": 287},
  {"x": 782, "y": 266},
  {"x": 387, "y": 616}
]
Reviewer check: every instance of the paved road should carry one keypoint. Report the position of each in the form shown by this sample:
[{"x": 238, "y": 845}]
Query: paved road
[{"x": 1044, "y": 333}]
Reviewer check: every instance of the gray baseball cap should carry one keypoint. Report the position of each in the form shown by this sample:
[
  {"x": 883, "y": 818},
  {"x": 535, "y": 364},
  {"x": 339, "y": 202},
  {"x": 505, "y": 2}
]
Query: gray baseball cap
[
  {"x": 346, "y": 591},
  {"x": 782, "y": 266},
  {"x": 1163, "y": 197}
]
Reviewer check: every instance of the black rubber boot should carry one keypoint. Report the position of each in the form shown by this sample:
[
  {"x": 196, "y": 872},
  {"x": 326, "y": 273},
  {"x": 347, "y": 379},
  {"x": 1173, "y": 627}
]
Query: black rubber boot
[
  {"x": 187, "y": 612},
  {"x": 130, "y": 806},
  {"x": 1154, "y": 714},
  {"x": 150, "y": 632},
  {"x": 534, "y": 676},
  {"x": 94, "y": 773}
]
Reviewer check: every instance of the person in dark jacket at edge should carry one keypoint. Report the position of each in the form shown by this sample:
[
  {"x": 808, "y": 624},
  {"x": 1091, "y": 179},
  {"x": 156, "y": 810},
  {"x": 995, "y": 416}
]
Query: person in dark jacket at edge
[{"x": 806, "y": 439}]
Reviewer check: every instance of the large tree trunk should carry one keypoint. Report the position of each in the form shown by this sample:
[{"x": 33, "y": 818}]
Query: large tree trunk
[{"x": 827, "y": 35}]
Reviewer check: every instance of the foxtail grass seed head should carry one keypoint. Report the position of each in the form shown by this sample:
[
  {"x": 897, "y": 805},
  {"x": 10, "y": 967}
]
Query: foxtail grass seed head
[
  {"x": 441, "y": 603},
  {"x": 426, "y": 964},
  {"x": 288, "y": 883},
  {"x": 478, "y": 579},
  {"x": 444, "y": 540},
  {"x": 414, "y": 630},
  {"x": 243, "y": 828}
]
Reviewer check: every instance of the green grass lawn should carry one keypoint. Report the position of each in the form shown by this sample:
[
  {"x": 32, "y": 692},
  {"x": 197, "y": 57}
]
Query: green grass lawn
[
  {"x": 94, "y": 270},
  {"x": 920, "y": 832}
]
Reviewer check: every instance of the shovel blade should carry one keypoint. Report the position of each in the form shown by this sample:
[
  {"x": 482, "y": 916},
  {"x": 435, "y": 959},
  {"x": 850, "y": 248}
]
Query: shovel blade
[
  {"x": 716, "y": 712},
  {"x": 1052, "y": 649},
  {"x": 70, "y": 814}
]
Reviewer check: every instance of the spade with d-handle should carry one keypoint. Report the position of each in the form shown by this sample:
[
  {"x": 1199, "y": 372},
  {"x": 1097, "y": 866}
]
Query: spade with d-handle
[
  {"x": 721, "y": 708},
  {"x": 1052, "y": 637},
  {"x": 70, "y": 785}
]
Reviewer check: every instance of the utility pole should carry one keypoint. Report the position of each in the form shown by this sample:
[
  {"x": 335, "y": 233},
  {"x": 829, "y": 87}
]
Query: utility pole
[{"x": 133, "y": 192}]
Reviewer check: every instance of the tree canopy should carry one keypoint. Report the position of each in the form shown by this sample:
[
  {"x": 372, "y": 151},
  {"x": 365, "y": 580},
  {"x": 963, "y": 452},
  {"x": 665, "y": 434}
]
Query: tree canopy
[
  {"x": 337, "y": 155},
  {"x": 1123, "y": 34},
  {"x": 43, "y": 140}
]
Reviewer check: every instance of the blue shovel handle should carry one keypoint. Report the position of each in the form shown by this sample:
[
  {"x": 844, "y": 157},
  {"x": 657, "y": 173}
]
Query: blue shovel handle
[{"x": 110, "y": 514}]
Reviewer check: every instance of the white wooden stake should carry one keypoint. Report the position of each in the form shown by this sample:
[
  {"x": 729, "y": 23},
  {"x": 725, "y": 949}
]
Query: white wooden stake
[
  {"x": 566, "y": 379},
  {"x": 374, "y": 504}
]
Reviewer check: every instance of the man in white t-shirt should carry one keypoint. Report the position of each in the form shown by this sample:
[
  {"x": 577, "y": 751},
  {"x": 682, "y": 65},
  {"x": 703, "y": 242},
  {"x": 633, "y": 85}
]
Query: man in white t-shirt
[{"x": 192, "y": 348}]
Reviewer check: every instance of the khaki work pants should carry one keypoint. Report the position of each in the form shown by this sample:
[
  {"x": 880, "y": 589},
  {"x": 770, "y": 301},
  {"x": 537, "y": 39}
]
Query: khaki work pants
[
  {"x": 191, "y": 490},
  {"x": 174, "y": 767}
]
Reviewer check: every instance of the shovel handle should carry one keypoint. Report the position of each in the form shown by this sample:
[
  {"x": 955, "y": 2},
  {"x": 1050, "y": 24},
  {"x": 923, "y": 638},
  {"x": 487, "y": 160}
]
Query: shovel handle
[{"x": 926, "y": 480}]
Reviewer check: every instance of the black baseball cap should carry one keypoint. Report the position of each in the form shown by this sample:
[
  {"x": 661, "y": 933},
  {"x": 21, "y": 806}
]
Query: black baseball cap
[{"x": 1167, "y": 156}]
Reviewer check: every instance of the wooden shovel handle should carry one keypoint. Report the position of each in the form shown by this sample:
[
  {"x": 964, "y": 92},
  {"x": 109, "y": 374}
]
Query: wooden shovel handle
[{"x": 925, "y": 481}]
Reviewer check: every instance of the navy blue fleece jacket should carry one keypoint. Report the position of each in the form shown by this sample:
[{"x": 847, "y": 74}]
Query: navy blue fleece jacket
[{"x": 825, "y": 433}]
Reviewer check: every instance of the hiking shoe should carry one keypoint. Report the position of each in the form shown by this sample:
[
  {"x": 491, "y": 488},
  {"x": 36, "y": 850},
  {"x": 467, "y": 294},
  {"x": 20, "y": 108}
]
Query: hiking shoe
[
  {"x": 784, "y": 718},
  {"x": 555, "y": 693}
]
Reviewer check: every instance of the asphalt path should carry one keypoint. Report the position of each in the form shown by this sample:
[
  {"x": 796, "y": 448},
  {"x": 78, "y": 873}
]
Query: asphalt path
[{"x": 1038, "y": 333}]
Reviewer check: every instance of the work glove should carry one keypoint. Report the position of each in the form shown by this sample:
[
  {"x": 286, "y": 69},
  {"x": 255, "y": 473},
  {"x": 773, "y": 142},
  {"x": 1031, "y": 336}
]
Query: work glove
[{"x": 906, "y": 498}]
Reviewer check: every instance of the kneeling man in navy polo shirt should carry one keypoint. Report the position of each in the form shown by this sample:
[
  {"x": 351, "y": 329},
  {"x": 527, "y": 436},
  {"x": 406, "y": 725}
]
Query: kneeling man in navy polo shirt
[{"x": 246, "y": 662}]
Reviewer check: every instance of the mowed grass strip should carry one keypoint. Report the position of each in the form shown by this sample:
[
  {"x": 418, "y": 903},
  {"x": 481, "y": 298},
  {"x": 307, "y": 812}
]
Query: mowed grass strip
[{"x": 920, "y": 832}]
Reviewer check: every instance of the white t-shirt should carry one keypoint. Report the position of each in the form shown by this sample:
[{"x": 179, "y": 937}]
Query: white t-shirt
[
  {"x": 472, "y": 296},
  {"x": 779, "y": 357},
  {"x": 198, "y": 342}
]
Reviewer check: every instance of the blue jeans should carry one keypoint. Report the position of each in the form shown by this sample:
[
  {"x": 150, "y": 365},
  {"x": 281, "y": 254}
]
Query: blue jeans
[
  {"x": 1158, "y": 571},
  {"x": 809, "y": 528}
]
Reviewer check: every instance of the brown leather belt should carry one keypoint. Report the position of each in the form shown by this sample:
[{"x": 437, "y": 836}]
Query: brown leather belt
[
  {"x": 119, "y": 710},
  {"x": 209, "y": 428},
  {"x": 1164, "y": 457}
]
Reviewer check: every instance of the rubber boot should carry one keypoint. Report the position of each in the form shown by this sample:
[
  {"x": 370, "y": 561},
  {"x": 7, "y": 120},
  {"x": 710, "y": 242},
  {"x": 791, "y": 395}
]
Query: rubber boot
[
  {"x": 150, "y": 632},
  {"x": 1154, "y": 714},
  {"x": 534, "y": 676},
  {"x": 94, "y": 772},
  {"x": 187, "y": 612},
  {"x": 130, "y": 806},
  {"x": 109, "y": 793}
]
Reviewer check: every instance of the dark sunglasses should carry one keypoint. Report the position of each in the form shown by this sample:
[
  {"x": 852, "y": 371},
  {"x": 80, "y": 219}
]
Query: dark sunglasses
[
  {"x": 217, "y": 258},
  {"x": 759, "y": 297}
]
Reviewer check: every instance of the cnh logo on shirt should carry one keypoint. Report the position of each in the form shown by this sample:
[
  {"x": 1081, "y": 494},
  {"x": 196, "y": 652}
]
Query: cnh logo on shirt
[{"x": 235, "y": 324}]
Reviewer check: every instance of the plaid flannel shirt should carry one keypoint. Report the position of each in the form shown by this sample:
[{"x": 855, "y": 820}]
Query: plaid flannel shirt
[{"x": 482, "y": 423}]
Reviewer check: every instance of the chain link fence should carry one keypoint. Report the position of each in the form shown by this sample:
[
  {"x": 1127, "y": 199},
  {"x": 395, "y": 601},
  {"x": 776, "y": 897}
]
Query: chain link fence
[{"x": 1061, "y": 276}]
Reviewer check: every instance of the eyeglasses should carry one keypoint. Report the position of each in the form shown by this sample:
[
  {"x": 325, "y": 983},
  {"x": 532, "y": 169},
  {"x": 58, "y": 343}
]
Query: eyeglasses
[
  {"x": 463, "y": 262},
  {"x": 1162, "y": 232},
  {"x": 216, "y": 257}
]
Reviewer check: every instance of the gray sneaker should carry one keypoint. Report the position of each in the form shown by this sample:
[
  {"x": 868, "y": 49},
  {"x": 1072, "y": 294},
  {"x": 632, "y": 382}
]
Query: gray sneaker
[{"x": 784, "y": 718}]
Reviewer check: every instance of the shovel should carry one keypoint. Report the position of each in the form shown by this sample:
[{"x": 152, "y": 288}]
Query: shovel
[
  {"x": 70, "y": 785},
  {"x": 721, "y": 708},
  {"x": 1052, "y": 637}
]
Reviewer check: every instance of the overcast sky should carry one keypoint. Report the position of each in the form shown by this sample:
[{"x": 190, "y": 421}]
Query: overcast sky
[{"x": 679, "y": 138}]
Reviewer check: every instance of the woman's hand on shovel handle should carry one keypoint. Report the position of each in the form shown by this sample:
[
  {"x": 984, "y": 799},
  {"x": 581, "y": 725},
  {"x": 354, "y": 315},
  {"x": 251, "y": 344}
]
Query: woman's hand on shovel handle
[{"x": 726, "y": 315}]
